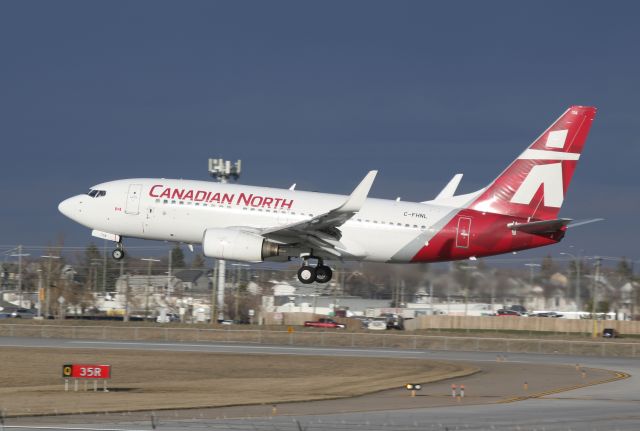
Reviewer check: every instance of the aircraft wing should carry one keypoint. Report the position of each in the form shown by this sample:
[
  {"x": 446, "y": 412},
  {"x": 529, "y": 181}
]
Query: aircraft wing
[{"x": 321, "y": 231}]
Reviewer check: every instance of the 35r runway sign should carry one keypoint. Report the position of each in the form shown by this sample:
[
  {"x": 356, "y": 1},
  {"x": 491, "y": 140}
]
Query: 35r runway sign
[{"x": 86, "y": 371}]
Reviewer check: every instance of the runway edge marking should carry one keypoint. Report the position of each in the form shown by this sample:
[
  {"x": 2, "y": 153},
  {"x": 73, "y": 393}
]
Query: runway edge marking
[{"x": 619, "y": 375}]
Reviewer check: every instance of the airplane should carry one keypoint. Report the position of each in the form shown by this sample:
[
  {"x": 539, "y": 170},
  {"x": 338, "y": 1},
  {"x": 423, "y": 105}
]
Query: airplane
[{"x": 517, "y": 211}]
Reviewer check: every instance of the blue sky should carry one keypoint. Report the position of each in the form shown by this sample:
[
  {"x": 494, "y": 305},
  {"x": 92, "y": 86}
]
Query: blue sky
[{"x": 316, "y": 93}]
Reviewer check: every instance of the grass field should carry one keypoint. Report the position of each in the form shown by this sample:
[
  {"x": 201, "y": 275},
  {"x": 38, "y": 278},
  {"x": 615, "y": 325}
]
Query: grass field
[{"x": 31, "y": 382}]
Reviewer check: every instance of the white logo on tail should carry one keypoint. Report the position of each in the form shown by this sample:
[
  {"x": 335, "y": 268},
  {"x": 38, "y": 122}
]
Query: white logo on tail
[
  {"x": 556, "y": 139},
  {"x": 550, "y": 177}
]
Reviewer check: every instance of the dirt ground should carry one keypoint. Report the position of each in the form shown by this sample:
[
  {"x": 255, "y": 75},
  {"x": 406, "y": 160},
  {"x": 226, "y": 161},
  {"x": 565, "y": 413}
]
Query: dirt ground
[{"x": 31, "y": 380}]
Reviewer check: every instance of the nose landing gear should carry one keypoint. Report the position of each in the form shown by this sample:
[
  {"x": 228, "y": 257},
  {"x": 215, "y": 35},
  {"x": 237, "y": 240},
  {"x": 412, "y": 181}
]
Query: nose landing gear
[
  {"x": 118, "y": 252},
  {"x": 321, "y": 273}
]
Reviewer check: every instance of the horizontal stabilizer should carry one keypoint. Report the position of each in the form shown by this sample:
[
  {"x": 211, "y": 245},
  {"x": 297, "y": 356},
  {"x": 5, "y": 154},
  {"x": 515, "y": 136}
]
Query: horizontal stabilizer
[
  {"x": 583, "y": 222},
  {"x": 540, "y": 227}
]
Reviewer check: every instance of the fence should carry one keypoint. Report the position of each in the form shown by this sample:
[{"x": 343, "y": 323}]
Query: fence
[
  {"x": 324, "y": 338},
  {"x": 531, "y": 324}
]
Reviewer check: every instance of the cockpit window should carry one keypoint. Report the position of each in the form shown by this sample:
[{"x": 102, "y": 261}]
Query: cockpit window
[{"x": 97, "y": 193}]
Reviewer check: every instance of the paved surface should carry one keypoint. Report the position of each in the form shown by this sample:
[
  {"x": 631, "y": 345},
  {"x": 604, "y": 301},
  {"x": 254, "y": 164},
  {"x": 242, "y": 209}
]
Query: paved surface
[{"x": 610, "y": 406}]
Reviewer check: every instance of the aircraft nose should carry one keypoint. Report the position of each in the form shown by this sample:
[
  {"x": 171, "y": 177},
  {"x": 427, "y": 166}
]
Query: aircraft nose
[
  {"x": 65, "y": 207},
  {"x": 69, "y": 207}
]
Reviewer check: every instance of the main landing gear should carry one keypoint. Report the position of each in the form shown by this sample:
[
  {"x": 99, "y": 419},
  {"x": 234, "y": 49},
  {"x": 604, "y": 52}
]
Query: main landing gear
[
  {"x": 118, "y": 253},
  {"x": 321, "y": 273}
]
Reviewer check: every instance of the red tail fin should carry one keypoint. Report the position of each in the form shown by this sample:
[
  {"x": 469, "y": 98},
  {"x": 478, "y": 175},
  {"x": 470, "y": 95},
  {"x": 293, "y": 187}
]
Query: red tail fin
[{"x": 535, "y": 184}]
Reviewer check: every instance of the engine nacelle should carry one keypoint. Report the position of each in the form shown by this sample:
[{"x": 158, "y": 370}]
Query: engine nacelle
[{"x": 235, "y": 244}]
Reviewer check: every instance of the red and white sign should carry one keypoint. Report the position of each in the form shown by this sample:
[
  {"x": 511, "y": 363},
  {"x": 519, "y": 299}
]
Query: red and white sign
[{"x": 85, "y": 371}]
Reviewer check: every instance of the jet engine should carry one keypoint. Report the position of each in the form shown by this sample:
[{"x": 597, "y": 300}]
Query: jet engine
[{"x": 235, "y": 244}]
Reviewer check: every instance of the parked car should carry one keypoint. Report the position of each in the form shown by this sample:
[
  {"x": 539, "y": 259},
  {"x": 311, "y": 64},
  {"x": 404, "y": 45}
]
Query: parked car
[
  {"x": 23, "y": 313},
  {"x": 547, "y": 314},
  {"x": 394, "y": 321},
  {"x": 324, "y": 323},
  {"x": 377, "y": 325},
  {"x": 503, "y": 312},
  {"x": 169, "y": 317},
  {"x": 519, "y": 308}
]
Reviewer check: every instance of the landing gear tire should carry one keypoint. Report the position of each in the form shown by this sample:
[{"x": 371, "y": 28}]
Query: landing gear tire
[
  {"x": 307, "y": 274},
  {"x": 118, "y": 254},
  {"x": 323, "y": 274}
]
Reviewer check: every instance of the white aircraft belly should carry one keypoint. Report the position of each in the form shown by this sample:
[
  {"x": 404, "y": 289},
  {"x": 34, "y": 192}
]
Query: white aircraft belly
[{"x": 378, "y": 242}]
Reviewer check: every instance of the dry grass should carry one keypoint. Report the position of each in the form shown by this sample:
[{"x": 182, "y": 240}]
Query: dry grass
[{"x": 31, "y": 382}]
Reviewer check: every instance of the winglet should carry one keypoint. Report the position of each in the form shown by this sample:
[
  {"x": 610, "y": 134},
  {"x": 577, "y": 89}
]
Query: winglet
[
  {"x": 359, "y": 194},
  {"x": 450, "y": 189}
]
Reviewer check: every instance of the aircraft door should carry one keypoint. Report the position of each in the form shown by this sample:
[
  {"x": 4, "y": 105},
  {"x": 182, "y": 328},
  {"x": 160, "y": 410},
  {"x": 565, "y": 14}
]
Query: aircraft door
[
  {"x": 133, "y": 199},
  {"x": 463, "y": 232},
  {"x": 149, "y": 220}
]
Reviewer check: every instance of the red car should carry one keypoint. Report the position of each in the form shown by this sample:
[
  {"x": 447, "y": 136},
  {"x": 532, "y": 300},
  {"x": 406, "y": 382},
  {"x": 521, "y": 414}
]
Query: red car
[
  {"x": 324, "y": 323},
  {"x": 507, "y": 313}
]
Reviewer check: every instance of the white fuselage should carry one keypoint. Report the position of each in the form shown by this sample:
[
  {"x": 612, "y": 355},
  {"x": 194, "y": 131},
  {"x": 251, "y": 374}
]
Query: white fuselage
[{"x": 181, "y": 211}]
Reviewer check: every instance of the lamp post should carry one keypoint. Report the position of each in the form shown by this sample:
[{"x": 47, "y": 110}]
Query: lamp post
[
  {"x": 593, "y": 298},
  {"x": 577, "y": 260},
  {"x": 223, "y": 171},
  {"x": 148, "y": 292},
  {"x": 39, "y": 314},
  {"x": 19, "y": 255}
]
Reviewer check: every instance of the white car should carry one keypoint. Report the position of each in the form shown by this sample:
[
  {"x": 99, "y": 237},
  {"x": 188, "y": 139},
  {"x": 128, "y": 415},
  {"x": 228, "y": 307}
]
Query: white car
[{"x": 377, "y": 325}]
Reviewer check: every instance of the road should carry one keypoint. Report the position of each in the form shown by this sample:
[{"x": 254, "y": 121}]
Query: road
[{"x": 610, "y": 406}]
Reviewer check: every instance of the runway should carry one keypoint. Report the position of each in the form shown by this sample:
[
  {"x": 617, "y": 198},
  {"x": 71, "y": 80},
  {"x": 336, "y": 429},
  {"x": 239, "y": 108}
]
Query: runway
[{"x": 610, "y": 406}]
